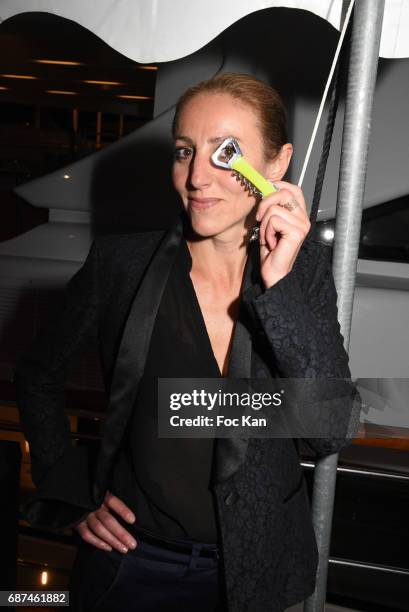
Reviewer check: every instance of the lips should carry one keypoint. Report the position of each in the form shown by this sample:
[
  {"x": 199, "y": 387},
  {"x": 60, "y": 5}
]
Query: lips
[{"x": 202, "y": 203}]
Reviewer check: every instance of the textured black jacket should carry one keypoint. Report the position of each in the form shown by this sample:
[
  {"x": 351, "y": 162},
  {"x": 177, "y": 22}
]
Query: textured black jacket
[{"x": 269, "y": 552}]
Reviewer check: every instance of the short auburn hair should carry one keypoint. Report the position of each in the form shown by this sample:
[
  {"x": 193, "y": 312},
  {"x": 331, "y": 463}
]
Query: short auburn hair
[{"x": 265, "y": 101}]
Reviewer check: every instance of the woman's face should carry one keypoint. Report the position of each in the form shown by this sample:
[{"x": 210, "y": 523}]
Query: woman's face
[{"x": 214, "y": 200}]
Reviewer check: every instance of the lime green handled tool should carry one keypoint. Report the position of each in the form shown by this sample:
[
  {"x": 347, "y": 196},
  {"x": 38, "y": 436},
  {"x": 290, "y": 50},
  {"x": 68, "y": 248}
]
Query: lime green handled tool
[{"x": 228, "y": 155}]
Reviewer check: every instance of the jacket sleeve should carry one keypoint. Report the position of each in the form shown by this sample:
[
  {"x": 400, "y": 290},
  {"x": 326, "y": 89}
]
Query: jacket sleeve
[
  {"x": 298, "y": 316},
  {"x": 60, "y": 470}
]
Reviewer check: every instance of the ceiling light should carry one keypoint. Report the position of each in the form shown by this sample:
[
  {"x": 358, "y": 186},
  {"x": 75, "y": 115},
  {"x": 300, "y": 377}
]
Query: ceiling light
[
  {"x": 103, "y": 82},
  {"x": 58, "y": 62},
  {"x": 147, "y": 67},
  {"x": 61, "y": 91},
  {"x": 1, "y": 87},
  {"x": 135, "y": 97},
  {"x": 18, "y": 76}
]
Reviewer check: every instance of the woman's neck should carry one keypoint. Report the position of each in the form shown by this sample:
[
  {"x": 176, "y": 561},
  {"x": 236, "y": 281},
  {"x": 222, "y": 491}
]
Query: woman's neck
[{"x": 220, "y": 259}]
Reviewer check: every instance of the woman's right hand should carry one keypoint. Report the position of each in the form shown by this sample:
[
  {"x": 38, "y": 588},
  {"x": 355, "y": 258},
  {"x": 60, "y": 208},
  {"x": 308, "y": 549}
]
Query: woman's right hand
[{"x": 101, "y": 529}]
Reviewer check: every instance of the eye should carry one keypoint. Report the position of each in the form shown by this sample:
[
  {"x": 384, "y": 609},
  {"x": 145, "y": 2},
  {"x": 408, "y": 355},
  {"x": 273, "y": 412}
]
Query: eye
[{"x": 182, "y": 153}]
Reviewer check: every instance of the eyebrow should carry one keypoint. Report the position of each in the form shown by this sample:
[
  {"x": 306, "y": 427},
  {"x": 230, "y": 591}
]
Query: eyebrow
[{"x": 215, "y": 140}]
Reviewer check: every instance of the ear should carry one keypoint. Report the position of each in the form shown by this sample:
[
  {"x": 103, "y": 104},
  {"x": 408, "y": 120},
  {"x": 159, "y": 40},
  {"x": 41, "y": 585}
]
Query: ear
[{"x": 279, "y": 165}]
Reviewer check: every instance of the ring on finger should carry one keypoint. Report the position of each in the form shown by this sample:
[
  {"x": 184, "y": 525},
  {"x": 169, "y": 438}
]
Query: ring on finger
[{"x": 291, "y": 205}]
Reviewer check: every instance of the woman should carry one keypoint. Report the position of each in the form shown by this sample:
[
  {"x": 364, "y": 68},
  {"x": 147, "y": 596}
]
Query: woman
[{"x": 192, "y": 523}]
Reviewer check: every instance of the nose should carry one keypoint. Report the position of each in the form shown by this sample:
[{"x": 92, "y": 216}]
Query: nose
[{"x": 201, "y": 168}]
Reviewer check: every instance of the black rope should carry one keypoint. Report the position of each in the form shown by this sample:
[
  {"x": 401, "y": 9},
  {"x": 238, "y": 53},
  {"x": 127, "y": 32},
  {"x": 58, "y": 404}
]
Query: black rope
[
  {"x": 329, "y": 130},
  {"x": 335, "y": 88}
]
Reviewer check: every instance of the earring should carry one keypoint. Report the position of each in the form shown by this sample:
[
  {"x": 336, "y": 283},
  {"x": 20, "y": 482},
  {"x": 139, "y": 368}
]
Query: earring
[{"x": 255, "y": 232}]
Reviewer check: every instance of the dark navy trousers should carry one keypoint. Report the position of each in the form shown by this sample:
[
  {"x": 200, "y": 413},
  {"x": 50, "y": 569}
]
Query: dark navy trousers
[{"x": 147, "y": 579}]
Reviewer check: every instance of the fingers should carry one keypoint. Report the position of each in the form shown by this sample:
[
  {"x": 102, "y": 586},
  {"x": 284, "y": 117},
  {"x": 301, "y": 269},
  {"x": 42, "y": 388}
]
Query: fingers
[
  {"x": 293, "y": 191},
  {"x": 114, "y": 503},
  {"x": 282, "y": 197},
  {"x": 285, "y": 218},
  {"x": 102, "y": 529},
  {"x": 278, "y": 220},
  {"x": 105, "y": 527},
  {"x": 273, "y": 224},
  {"x": 87, "y": 535},
  {"x": 294, "y": 224}
]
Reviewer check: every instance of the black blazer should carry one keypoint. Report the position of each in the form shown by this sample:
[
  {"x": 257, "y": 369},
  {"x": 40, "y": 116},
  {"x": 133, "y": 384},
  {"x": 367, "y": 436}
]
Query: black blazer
[{"x": 269, "y": 553}]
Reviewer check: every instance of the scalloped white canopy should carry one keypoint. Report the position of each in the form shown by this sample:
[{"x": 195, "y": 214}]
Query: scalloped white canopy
[{"x": 163, "y": 30}]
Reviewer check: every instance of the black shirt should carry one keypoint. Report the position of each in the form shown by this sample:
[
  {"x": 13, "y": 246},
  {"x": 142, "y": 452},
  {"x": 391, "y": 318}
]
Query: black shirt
[{"x": 166, "y": 481}]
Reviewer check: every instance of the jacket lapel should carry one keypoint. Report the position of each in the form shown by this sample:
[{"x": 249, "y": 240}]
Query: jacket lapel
[
  {"x": 230, "y": 453},
  {"x": 132, "y": 355}
]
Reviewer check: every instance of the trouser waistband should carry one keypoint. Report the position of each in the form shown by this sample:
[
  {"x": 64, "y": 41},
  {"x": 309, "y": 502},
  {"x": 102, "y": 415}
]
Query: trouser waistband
[{"x": 187, "y": 547}]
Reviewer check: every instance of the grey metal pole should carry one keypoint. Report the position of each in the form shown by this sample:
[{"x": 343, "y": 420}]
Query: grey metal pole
[{"x": 366, "y": 35}]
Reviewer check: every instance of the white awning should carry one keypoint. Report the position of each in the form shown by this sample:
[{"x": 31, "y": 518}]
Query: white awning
[{"x": 163, "y": 30}]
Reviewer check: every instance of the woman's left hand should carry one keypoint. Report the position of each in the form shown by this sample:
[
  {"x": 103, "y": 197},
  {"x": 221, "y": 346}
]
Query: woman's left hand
[{"x": 284, "y": 224}]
